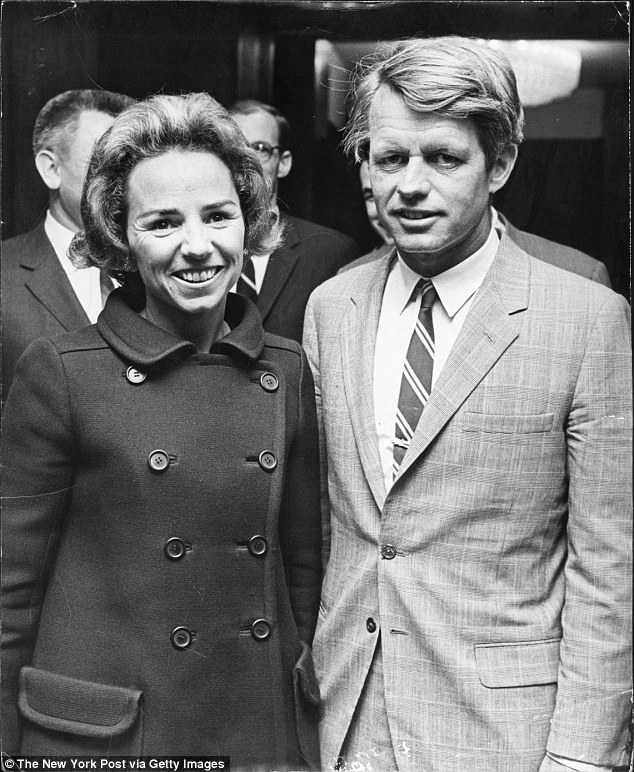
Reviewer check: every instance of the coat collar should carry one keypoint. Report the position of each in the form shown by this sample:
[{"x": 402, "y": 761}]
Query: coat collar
[
  {"x": 280, "y": 266},
  {"x": 142, "y": 343},
  {"x": 48, "y": 282}
]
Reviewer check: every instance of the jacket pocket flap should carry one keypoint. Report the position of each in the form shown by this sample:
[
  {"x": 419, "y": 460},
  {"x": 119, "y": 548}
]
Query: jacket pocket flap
[
  {"x": 508, "y": 424},
  {"x": 65, "y": 704},
  {"x": 304, "y": 672},
  {"x": 529, "y": 663}
]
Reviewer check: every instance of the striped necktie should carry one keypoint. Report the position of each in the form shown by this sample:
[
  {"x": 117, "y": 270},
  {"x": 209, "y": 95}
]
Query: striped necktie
[
  {"x": 246, "y": 283},
  {"x": 417, "y": 372}
]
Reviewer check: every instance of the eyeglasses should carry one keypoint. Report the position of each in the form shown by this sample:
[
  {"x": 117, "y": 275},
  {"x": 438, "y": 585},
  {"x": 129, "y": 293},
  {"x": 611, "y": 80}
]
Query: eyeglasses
[{"x": 264, "y": 150}]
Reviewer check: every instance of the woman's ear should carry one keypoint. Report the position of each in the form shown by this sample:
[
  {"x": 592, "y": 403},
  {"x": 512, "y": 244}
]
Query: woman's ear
[
  {"x": 502, "y": 168},
  {"x": 48, "y": 168}
]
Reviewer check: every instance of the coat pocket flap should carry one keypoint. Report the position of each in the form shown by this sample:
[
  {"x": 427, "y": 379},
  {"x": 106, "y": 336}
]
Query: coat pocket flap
[
  {"x": 529, "y": 663},
  {"x": 508, "y": 424},
  {"x": 65, "y": 704},
  {"x": 304, "y": 673}
]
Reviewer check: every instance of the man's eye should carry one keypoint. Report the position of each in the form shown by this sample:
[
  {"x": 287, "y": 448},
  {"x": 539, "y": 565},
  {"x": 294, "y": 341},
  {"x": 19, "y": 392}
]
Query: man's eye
[
  {"x": 391, "y": 161},
  {"x": 445, "y": 160}
]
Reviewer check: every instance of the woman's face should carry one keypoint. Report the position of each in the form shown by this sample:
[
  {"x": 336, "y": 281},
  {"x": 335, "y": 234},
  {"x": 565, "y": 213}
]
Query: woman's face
[{"x": 185, "y": 231}]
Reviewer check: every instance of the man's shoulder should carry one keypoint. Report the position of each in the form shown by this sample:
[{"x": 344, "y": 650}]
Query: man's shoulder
[
  {"x": 298, "y": 229},
  {"x": 375, "y": 254},
  {"x": 560, "y": 255},
  {"x": 30, "y": 246},
  {"x": 354, "y": 282}
]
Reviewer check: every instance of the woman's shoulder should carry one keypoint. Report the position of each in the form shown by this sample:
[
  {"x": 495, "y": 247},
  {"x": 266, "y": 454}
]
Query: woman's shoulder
[{"x": 285, "y": 352}]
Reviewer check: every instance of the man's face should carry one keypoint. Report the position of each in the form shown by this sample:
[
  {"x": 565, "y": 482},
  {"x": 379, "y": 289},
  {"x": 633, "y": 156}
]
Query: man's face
[
  {"x": 262, "y": 127},
  {"x": 430, "y": 183},
  {"x": 72, "y": 163},
  {"x": 370, "y": 205}
]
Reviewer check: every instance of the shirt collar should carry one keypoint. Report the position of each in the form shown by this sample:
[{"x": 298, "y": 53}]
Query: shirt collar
[
  {"x": 144, "y": 344},
  {"x": 60, "y": 237},
  {"x": 455, "y": 285}
]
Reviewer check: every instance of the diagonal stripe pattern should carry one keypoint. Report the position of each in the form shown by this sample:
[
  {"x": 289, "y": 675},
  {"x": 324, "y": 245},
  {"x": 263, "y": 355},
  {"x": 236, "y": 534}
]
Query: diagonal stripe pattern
[
  {"x": 246, "y": 283},
  {"x": 417, "y": 372}
]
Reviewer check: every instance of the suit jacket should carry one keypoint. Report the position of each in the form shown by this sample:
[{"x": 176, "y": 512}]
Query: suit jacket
[
  {"x": 37, "y": 298},
  {"x": 503, "y": 597},
  {"x": 161, "y": 608},
  {"x": 309, "y": 255},
  {"x": 549, "y": 251}
]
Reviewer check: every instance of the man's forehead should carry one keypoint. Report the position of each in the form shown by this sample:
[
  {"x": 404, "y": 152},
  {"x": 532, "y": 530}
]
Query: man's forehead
[{"x": 258, "y": 126}]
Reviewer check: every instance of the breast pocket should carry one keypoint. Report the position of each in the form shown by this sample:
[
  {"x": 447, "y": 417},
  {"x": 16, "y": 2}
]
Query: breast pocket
[
  {"x": 508, "y": 424},
  {"x": 67, "y": 716}
]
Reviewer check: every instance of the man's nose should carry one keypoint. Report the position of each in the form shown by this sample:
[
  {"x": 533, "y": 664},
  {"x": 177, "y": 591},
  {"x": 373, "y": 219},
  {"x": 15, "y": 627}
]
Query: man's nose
[
  {"x": 414, "y": 179},
  {"x": 196, "y": 240}
]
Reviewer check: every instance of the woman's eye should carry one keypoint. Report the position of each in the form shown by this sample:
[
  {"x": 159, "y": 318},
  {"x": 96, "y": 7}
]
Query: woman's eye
[
  {"x": 218, "y": 217},
  {"x": 161, "y": 225}
]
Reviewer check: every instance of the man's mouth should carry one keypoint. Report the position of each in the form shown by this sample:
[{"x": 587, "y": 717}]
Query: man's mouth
[
  {"x": 413, "y": 214},
  {"x": 197, "y": 277}
]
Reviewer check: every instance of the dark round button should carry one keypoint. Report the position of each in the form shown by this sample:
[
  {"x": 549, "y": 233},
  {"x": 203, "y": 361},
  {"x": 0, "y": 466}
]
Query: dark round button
[
  {"x": 388, "y": 551},
  {"x": 135, "y": 376},
  {"x": 269, "y": 382},
  {"x": 181, "y": 638},
  {"x": 174, "y": 548},
  {"x": 370, "y": 625},
  {"x": 258, "y": 546},
  {"x": 267, "y": 460},
  {"x": 260, "y": 629},
  {"x": 158, "y": 460}
]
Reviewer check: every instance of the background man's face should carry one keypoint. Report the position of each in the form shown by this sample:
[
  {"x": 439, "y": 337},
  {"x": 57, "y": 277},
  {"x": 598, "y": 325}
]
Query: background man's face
[
  {"x": 262, "y": 127},
  {"x": 370, "y": 205},
  {"x": 430, "y": 183},
  {"x": 73, "y": 156}
]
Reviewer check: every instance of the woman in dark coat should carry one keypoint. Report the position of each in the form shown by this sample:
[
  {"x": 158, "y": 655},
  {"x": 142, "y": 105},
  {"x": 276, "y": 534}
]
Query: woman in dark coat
[{"x": 161, "y": 522}]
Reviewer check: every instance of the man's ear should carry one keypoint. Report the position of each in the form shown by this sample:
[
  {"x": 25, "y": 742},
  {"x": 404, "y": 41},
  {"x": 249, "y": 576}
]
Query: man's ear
[
  {"x": 47, "y": 165},
  {"x": 502, "y": 168},
  {"x": 284, "y": 166}
]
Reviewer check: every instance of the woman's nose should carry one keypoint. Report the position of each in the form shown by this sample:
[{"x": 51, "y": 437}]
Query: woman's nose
[
  {"x": 414, "y": 180},
  {"x": 196, "y": 241}
]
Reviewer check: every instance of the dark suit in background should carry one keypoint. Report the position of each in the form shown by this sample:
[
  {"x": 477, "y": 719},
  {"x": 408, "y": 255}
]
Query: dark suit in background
[
  {"x": 310, "y": 254},
  {"x": 37, "y": 298}
]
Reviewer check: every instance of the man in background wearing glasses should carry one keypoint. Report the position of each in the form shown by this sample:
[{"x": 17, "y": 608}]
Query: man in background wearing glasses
[{"x": 281, "y": 283}]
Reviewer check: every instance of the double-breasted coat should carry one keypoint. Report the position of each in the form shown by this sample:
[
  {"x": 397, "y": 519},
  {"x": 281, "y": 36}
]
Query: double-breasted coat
[{"x": 162, "y": 545}]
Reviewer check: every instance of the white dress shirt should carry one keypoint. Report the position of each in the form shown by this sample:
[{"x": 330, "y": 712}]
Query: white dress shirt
[
  {"x": 399, "y": 312},
  {"x": 86, "y": 282}
]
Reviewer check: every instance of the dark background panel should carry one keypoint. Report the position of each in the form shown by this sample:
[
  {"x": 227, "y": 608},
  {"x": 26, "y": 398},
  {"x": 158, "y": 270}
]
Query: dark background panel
[{"x": 572, "y": 190}]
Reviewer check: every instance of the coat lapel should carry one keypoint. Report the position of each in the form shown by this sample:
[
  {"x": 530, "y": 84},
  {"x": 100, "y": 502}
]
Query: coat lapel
[
  {"x": 358, "y": 340},
  {"x": 487, "y": 332},
  {"x": 280, "y": 266},
  {"x": 47, "y": 281}
]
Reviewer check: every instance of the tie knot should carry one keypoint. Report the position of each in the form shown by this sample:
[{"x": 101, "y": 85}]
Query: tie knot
[{"x": 428, "y": 293}]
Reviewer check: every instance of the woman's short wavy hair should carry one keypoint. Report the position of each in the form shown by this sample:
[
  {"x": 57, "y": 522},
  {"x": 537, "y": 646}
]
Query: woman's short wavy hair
[
  {"x": 450, "y": 76},
  {"x": 191, "y": 122}
]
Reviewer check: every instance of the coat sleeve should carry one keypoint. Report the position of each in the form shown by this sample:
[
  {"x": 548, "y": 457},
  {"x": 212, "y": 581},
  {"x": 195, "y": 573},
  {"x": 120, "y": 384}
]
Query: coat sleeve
[
  {"x": 300, "y": 523},
  {"x": 38, "y": 473},
  {"x": 311, "y": 346},
  {"x": 592, "y": 711}
]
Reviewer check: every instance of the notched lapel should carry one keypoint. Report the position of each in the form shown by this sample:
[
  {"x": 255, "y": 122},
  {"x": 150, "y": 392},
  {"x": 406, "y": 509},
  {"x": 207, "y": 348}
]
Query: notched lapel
[
  {"x": 358, "y": 340},
  {"x": 487, "y": 332}
]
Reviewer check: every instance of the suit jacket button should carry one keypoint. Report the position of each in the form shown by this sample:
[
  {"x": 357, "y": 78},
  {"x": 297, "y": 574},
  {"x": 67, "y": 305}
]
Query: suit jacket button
[
  {"x": 269, "y": 382},
  {"x": 135, "y": 376},
  {"x": 174, "y": 548},
  {"x": 258, "y": 546},
  {"x": 260, "y": 629},
  {"x": 158, "y": 460},
  {"x": 388, "y": 552},
  {"x": 267, "y": 460},
  {"x": 181, "y": 638},
  {"x": 370, "y": 625}
]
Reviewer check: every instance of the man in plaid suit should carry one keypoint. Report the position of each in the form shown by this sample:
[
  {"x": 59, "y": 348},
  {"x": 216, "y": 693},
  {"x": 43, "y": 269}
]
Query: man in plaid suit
[{"x": 476, "y": 604}]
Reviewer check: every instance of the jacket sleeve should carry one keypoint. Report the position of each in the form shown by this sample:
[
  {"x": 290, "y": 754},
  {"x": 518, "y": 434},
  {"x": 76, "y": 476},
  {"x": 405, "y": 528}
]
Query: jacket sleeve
[
  {"x": 38, "y": 473},
  {"x": 592, "y": 712},
  {"x": 300, "y": 522}
]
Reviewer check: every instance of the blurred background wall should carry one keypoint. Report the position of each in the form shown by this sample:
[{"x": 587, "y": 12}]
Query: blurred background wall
[{"x": 571, "y": 183}]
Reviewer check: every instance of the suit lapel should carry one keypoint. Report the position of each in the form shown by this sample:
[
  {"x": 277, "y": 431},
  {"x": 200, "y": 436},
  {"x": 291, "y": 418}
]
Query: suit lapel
[
  {"x": 358, "y": 340},
  {"x": 47, "y": 281},
  {"x": 280, "y": 266},
  {"x": 487, "y": 332}
]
